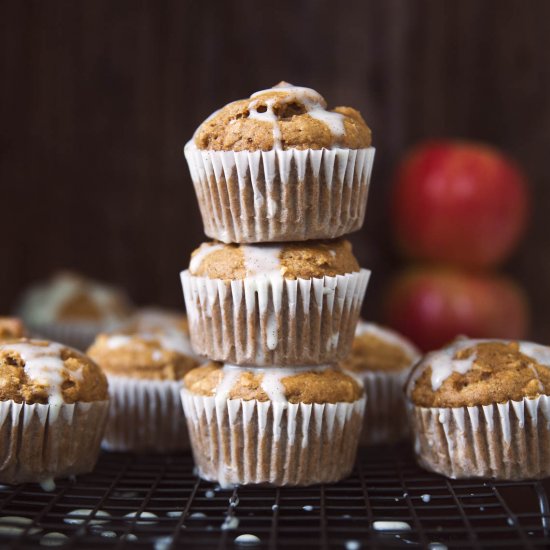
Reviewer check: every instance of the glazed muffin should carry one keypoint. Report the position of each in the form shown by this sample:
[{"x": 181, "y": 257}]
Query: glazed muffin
[
  {"x": 11, "y": 327},
  {"x": 280, "y": 166},
  {"x": 480, "y": 408},
  {"x": 289, "y": 304},
  {"x": 382, "y": 359},
  {"x": 144, "y": 373},
  {"x": 288, "y": 426},
  {"x": 73, "y": 309},
  {"x": 54, "y": 403}
]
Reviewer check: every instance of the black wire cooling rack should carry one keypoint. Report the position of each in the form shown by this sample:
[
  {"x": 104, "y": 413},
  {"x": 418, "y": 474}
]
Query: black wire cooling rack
[{"x": 157, "y": 502}]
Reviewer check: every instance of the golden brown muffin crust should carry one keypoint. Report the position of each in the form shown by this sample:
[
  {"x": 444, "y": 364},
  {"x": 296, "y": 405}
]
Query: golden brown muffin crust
[
  {"x": 235, "y": 128},
  {"x": 312, "y": 386},
  {"x": 499, "y": 373},
  {"x": 371, "y": 353},
  {"x": 139, "y": 356},
  {"x": 82, "y": 378},
  {"x": 312, "y": 259},
  {"x": 11, "y": 327}
]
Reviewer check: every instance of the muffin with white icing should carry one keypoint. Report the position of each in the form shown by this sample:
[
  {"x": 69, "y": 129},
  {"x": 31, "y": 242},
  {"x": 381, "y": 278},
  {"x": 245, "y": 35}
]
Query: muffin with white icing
[
  {"x": 288, "y": 304},
  {"x": 73, "y": 309},
  {"x": 382, "y": 359},
  {"x": 282, "y": 426},
  {"x": 145, "y": 371},
  {"x": 481, "y": 408},
  {"x": 54, "y": 403},
  {"x": 281, "y": 166}
]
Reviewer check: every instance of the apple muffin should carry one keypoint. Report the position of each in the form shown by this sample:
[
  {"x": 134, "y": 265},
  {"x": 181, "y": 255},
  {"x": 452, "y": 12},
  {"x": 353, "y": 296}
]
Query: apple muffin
[
  {"x": 288, "y": 426},
  {"x": 145, "y": 373},
  {"x": 382, "y": 359},
  {"x": 54, "y": 403},
  {"x": 288, "y": 304},
  {"x": 11, "y": 328},
  {"x": 481, "y": 408},
  {"x": 281, "y": 166},
  {"x": 73, "y": 309}
]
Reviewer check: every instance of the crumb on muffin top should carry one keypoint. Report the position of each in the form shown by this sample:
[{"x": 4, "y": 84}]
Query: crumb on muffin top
[
  {"x": 145, "y": 356},
  {"x": 323, "y": 384},
  {"x": 282, "y": 117},
  {"x": 480, "y": 372},
  {"x": 377, "y": 348},
  {"x": 311, "y": 259},
  {"x": 11, "y": 327},
  {"x": 69, "y": 297},
  {"x": 36, "y": 371}
]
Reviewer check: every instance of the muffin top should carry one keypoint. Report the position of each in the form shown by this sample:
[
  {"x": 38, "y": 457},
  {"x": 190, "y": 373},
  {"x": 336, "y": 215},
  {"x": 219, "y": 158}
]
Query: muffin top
[
  {"x": 36, "y": 371},
  {"x": 377, "y": 348},
  {"x": 323, "y": 384},
  {"x": 157, "y": 356},
  {"x": 11, "y": 327},
  {"x": 68, "y": 297},
  {"x": 305, "y": 260},
  {"x": 153, "y": 319},
  {"x": 480, "y": 372},
  {"x": 282, "y": 117}
]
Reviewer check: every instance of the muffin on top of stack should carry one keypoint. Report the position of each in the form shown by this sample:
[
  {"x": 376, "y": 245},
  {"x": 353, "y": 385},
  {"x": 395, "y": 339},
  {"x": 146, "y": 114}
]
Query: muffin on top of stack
[{"x": 275, "y": 299}]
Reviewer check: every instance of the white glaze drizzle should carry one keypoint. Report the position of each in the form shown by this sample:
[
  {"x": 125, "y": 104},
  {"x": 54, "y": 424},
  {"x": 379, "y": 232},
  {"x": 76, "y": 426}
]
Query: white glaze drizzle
[
  {"x": 271, "y": 382},
  {"x": 43, "y": 364},
  {"x": 313, "y": 102},
  {"x": 262, "y": 259}
]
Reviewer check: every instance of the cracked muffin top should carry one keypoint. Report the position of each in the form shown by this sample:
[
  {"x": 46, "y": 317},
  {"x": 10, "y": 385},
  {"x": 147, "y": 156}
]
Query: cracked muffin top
[
  {"x": 322, "y": 384},
  {"x": 282, "y": 117},
  {"x": 36, "y": 371},
  {"x": 480, "y": 372},
  {"x": 377, "y": 348},
  {"x": 306, "y": 260}
]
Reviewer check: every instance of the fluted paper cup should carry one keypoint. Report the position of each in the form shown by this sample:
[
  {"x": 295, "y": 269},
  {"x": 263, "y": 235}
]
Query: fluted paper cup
[
  {"x": 42, "y": 442},
  {"x": 268, "y": 320},
  {"x": 503, "y": 441},
  {"x": 280, "y": 195},
  {"x": 145, "y": 415},
  {"x": 386, "y": 419},
  {"x": 255, "y": 442}
]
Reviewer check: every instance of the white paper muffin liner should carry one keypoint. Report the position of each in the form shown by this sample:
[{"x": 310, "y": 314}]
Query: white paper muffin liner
[
  {"x": 280, "y": 195},
  {"x": 269, "y": 320},
  {"x": 278, "y": 443},
  {"x": 145, "y": 415},
  {"x": 41, "y": 442},
  {"x": 386, "y": 419},
  {"x": 504, "y": 441}
]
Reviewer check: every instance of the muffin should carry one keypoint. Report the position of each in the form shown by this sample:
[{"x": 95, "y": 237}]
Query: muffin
[
  {"x": 480, "y": 408},
  {"x": 279, "y": 166},
  {"x": 289, "y": 304},
  {"x": 382, "y": 359},
  {"x": 145, "y": 373},
  {"x": 73, "y": 309},
  {"x": 11, "y": 327},
  {"x": 288, "y": 426},
  {"x": 53, "y": 403}
]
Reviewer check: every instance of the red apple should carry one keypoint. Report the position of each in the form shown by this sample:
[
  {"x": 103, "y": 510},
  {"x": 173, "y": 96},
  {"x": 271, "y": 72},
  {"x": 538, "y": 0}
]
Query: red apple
[
  {"x": 459, "y": 203},
  {"x": 433, "y": 305}
]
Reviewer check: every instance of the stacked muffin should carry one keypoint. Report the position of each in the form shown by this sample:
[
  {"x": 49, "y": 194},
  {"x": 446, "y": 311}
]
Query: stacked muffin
[{"x": 275, "y": 299}]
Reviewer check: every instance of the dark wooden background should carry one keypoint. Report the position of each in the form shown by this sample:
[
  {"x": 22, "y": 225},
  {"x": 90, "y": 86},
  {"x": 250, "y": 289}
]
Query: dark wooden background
[{"x": 98, "y": 97}]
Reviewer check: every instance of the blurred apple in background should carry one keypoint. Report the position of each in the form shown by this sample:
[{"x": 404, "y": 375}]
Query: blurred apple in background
[
  {"x": 432, "y": 305},
  {"x": 459, "y": 203}
]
